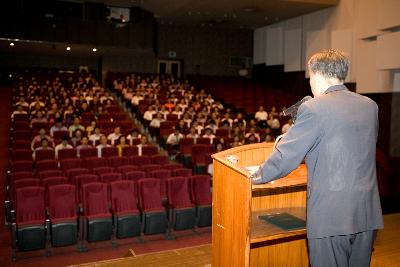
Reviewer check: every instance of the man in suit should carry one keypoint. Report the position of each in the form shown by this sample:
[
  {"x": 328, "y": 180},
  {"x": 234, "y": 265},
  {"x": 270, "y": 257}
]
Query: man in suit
[{"x": 336, "y": 133}]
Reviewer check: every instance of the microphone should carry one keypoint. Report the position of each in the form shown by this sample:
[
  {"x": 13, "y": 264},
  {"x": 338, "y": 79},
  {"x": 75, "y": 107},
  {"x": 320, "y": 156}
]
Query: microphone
[{"x": 292, "y": 111}]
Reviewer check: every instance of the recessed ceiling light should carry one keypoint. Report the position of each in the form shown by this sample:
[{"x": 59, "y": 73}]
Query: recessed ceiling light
[
  {"x": 11, "y": 44},
  {"x": 68, "y": 48},
  {"x": 94, "y": 49}
]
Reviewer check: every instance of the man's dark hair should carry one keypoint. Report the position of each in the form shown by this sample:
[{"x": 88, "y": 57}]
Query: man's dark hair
[{"x": 330, "y": 63}]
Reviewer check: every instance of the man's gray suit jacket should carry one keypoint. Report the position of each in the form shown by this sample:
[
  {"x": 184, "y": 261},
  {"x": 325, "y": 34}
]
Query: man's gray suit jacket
[{"x": 336, "y": 134}]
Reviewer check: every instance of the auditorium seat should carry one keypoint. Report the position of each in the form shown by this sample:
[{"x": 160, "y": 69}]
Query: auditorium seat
[
  {"x": 20, "y": 135},
  {"x": 185, "y": 147},
  {"x": 96, "y": 214},
  {"x": 69, "y": 153},
  {"x": 149, "y": 150},
  {"x": 95, "y": 162},
  {"x": 19, "y": 175},
  {"x": 21, "y": 154},
  {"x": 107, "y": 152},
  {"x": 46, "y": 165},
  {"x": 124, "y": 209},
  {"x": 29, "y": 229},
  {"x": 182, "y": 213},
  {"x": 87, "y": 152},
  {"x": 72, "y": 173},
  {"x": 21, "y": 144},
  {"x": 116, "y": 161},
  {"x": 127, "y": 168},
  {"x": 50, "y": 173},
  {"x": 199, "y": 158},
  {"x": 22, "y": 166},
  {"x": 63, "y": 214},
  {"x": 110, "y": 177},
  {"x": 134, "y": 175},
  {"x": 150, "y": 167},
  {"x": 139, "y": 160},
  {"x": 159, "y": 159},
  {"x": 154, "y": 214},
  {"x": 201, "y": 197},
  {"x": 104, "y": 169},
  {"x": 162, "y": 175},
  {"x": 185, "y": 172},
  {"x": 71, "y": 163},
  {"x": 130, "y": 151}
]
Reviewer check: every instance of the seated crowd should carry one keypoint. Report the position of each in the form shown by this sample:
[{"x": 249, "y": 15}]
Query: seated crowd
[{"x": 173, "y": 109}]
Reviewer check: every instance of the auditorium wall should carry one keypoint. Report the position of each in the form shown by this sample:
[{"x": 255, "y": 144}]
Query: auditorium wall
[
  {"x": 368, "y": 30},
  {"x": 205, "y": 50}
]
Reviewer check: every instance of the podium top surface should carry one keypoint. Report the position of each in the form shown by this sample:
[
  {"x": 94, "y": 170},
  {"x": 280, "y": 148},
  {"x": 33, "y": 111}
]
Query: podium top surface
[{"x": 256, "y": 154}]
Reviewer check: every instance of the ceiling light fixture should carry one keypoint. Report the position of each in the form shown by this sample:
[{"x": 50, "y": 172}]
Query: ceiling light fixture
[
  {"x": 94, "y": 49},
  {"x": 11, "y": 44},
  {"x": 68, "y": 48}
]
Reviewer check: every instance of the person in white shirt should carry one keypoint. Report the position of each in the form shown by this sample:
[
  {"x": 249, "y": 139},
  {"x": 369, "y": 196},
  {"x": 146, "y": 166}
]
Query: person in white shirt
[
  {"x": 287, "y": 125},
  {"x": 63, "y": 145},
  {"x": 177, "y": 111},
  {"x": 95, "y": 136},
  {"x": 134, "y": 135},
  {"x": 114, "y": 135},
  {"x": 136, "y": 98},
  {"x": 148, "y": 114},
  {"x": 193, "y": 134},
  {"x": 209, "y": 134},
  {"x": 173, "y": 142},
  {"x": 75, "y": 126},
  {"x": 227, "y": 118},
  {"x": 164, "y": 112},
  {"x": 261, "y": 114},
  {"x": 84, "y": 144},
  {"x": 20, "y": 110},
  {"x": 213, "y": 126},
  {"x": 103, "y": 143},
  {"x": 252, "y": 132},
  {"x": 44, "y": 145}
]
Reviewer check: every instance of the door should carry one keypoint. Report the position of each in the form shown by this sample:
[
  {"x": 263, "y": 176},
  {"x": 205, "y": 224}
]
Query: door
[{"x": 170, "y": 67}]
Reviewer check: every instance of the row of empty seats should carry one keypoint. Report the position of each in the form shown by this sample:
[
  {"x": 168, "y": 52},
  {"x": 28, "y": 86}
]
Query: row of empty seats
[{"x": 64, "y": 215}]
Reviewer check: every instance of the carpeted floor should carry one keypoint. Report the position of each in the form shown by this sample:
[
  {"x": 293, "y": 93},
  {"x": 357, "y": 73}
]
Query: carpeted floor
[{"x": 69, "y": 255}]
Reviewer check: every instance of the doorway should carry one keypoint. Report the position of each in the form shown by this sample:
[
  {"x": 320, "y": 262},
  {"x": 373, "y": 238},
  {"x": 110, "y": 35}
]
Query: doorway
[{"x": 173, "y": 67}]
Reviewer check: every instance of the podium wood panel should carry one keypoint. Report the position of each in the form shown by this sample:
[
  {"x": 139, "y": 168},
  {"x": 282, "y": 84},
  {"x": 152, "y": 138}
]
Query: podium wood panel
[{"x": 239, "y": 238}]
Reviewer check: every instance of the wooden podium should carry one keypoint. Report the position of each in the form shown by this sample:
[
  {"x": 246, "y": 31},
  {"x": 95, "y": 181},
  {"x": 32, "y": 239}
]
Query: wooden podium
[{"x": 239, "y": 237}]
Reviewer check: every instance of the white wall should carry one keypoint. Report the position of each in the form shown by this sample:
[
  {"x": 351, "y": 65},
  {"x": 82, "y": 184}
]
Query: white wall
[{"x": 364, "y": 29}]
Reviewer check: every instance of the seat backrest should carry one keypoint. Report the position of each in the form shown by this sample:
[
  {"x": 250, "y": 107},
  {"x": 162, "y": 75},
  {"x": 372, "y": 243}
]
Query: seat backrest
[
  {"x": 200, "y": 189},
  {"x": 149, "y": 150},
  {"x": 30, "y": 204},
  {"x": 88, "y": 152},
  {"x": 160, "y": 174},
  {"x": 45, "y": 165},
  {"x": 127, "y": 168},
  {"x": 105, "y": 169},
  {"x": 185, "y": 145},
  {"x": 149, "y": 194},
  {"x": 159, "y": 159},
  {"x": 203, "y": 141},
  {"x": 110, "y": 177},
  {"x": 68, "y": 153},
  {"x": 21, "y": 154},
  {"x": 58, "y": 135},
  {"x": 95, "y": 199},
  {"x": 94, "y": 162},
  {"x": 47, "y": 182},
  {"x": 178, "y": 192},
  {"x": 71, "y": 163},
  {"x": 185, "y": 172},
  {"x": 85, "y": 179},
  {"x": 150, "y": 167},
  {"x": 62, "y": 201},
  {"x": 123, "y": 196},
  {"x": 50, "y": 173},
  {"x": 21, "y": 183},
  {"x": 44, "y": 154},
  {"x": 172, "y": 166},
  {"x": 21, "y": 144},
  {"x": 116, "y": 161},
  {"x": 20, "y": 175},
  {"x": 134, "y": 175},
  {"x": 139, "y": 160},
  {"x": 72, "y": 173},
  {"x": 129, "y": 151},
  {"x": 107, "y": 152},
  {"x": 22, "y": 166}
]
